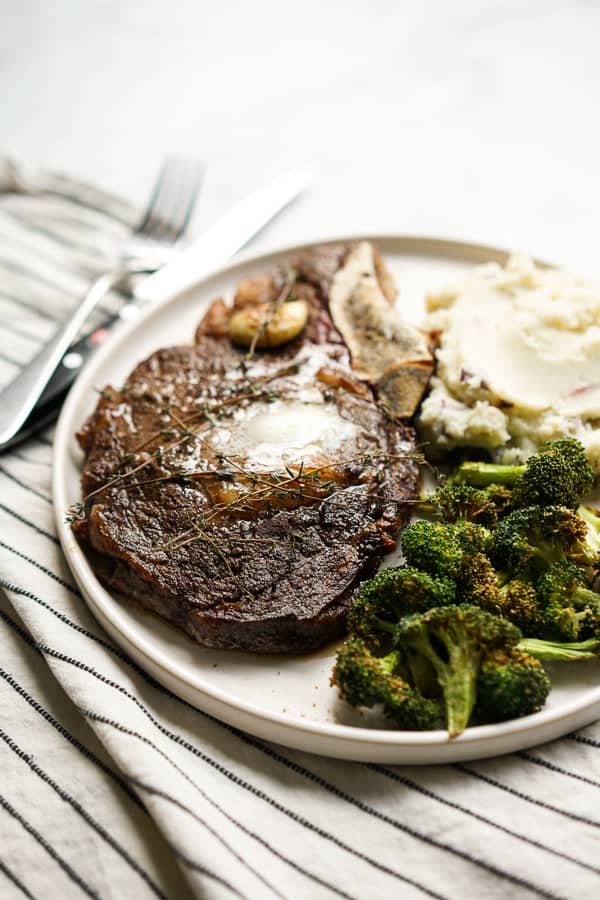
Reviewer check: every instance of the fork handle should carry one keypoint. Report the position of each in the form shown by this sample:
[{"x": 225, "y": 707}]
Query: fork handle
[{"x": 20, "y": 396}]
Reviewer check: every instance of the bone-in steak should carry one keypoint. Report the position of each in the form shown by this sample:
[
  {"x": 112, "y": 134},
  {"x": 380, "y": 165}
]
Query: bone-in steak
[{"x": 245, "y": 499}]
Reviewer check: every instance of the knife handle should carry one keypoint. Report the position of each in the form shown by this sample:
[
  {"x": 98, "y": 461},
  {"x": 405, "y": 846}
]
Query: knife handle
[{"x": 50, "y": 401}]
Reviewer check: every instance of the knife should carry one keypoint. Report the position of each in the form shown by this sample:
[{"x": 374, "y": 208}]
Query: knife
[{"x": 204, "y": 255}]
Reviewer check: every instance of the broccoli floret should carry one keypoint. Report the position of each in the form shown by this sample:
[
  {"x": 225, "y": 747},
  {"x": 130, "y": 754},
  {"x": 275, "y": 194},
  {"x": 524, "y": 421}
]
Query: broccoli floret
[
  {"x": 364, "y": 679},
  {"x": 477, "y": 583},
  {"x": 448, "y": 664},
  {"x": 516, "y": 600},
  {"x": 557, "y": 607},
  {"x": 510, "y": 684},
  {"x": 438, "y": 548},
  {"x": 531, "y": 539},
  {"x": 433, "y": 547},
  {"x": 452, "y": 641},
  {"x": 558, "y": 475},
  {"x": 502, "y": 498},
  {"x": 571, "y": 610},
  {"x": 473, "y": 538},
  {"x": 463, "y": 503},
  {"x": 519, "y": 604},
  {"x": 561, "y": 651},
  {"x": 394, "y": 593}
]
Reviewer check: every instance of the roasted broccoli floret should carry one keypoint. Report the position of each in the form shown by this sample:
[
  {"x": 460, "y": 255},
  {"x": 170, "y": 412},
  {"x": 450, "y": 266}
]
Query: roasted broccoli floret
[
  {"x": 558, "y": 475},
  {"x": 556, "y": 607},
  {"x": 519, "y": 604},
  {"x": 433, "y": 547},
  {"x": 502, "y": 498},
  {"x": 531, "y": 539},
  {"x": 364, "y": 679},
  {"x": 463, "y": 503},
  {"x": 477, "y": 582},
  {"x": 449, "y": 664},
  {"x": 561, "y": 651},
  {"x": 473, "y": 538},
  {"x": 515, "y": 600},
  {"x": 394, "y": 593},
  {"x": 451, "y": 642},
  {"x": 438, "y": 547},
  {"x": 571, "y": 610},
  {"x": 510, "y": 684}
]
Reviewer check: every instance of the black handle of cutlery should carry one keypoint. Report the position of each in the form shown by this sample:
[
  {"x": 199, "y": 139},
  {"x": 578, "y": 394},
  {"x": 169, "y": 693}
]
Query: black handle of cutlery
[{"x": 49, "y": 404}]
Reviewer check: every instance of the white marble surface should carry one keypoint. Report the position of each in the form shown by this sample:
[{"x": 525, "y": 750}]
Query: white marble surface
[{"x": 461, "y": 118}]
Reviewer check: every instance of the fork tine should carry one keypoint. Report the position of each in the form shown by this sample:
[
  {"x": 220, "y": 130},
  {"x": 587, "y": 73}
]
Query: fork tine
[
  {"x": 144, "y": 222},
  {"x": 173, "y": 200},
  {"x": 160, "y": 224},
  {"x": 159, "y": 211},
  {"x": 196, "y": 179}
]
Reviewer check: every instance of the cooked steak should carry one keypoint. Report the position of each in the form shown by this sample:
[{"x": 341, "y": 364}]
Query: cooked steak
[{"x": 245, "y": 496}]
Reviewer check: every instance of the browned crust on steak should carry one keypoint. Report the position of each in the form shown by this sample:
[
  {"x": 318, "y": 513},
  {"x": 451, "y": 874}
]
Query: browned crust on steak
[{"x": 276, "y": 578}]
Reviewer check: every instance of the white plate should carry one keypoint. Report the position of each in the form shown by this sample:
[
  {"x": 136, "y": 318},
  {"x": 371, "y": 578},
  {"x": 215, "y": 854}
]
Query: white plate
[{"x": 286, "y": 699}]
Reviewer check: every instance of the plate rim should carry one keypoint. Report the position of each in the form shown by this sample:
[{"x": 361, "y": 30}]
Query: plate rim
[{"x": 95, "y": 594}]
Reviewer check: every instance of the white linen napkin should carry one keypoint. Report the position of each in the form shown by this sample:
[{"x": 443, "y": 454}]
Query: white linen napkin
[{"x": 113, "y": 787}]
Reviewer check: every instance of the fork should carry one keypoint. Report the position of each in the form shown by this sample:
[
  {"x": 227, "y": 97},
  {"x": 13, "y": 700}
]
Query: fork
[{"x": 151, "y": 244}]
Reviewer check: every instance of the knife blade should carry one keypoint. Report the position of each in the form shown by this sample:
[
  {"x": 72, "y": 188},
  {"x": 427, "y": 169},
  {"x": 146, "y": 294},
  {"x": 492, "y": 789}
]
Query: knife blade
[
  {"x": 224, "y": 238},
  {"x": 204, "y": 255}
]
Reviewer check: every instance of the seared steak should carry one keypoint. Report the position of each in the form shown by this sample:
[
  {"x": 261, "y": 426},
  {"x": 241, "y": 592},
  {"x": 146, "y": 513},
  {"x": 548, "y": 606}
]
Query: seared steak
[{"x": 245, "y": 499}]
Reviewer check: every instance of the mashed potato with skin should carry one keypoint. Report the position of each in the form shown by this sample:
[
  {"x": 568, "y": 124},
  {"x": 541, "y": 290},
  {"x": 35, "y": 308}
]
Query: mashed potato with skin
[{"x": 518, "y": 362}]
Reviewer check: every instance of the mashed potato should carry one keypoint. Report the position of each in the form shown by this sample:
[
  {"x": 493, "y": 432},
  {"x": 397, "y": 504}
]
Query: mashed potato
[{"x": 518, "y": 362}]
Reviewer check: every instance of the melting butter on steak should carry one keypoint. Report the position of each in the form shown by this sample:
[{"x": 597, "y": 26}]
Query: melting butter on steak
[{"x": 246, "y": 500}]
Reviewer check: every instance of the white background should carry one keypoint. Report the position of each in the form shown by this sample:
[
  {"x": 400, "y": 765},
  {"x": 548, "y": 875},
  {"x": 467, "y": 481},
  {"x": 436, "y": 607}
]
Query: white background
[{"x": 465, "y": 119}]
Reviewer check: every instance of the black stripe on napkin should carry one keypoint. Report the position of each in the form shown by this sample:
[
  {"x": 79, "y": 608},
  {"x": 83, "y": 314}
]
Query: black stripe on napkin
[
  {"x": 17, "y": 883},
  {"x": 87, "y": 817},
  {"x": 34, "y": 833}
]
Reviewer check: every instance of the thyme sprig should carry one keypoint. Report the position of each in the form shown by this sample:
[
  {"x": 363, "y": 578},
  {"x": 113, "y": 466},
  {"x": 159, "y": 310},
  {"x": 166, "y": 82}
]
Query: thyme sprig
[
  {"x": 283, "y": 296},
  {"x": 189, "y": 427},
  {"x": 267, "y": 487}
]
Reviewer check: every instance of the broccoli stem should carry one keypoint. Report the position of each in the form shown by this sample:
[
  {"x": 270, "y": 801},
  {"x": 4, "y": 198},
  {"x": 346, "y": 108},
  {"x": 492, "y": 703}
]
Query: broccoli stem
[
  {"x": 479, "y": 474},
  {"x": 457, "y": 678},
  {"x": 589, "y": 515},
  {"x": 583, "y": 597},
  {"x": 458, "y": 684},
  {"x": 592, "y": 520},
  {"x": 561, "y": 652}
]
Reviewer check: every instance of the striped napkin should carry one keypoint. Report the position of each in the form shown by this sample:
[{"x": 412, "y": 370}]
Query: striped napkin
[{"x": 112, "y": 787}]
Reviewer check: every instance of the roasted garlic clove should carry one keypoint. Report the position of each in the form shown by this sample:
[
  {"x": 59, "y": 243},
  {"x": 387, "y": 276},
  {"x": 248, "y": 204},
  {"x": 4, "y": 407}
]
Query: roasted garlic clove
[
  {"x": 256, "y": 290},
  {"x": 262, "y": 327},
  {"x": 215, "y": 321}
]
